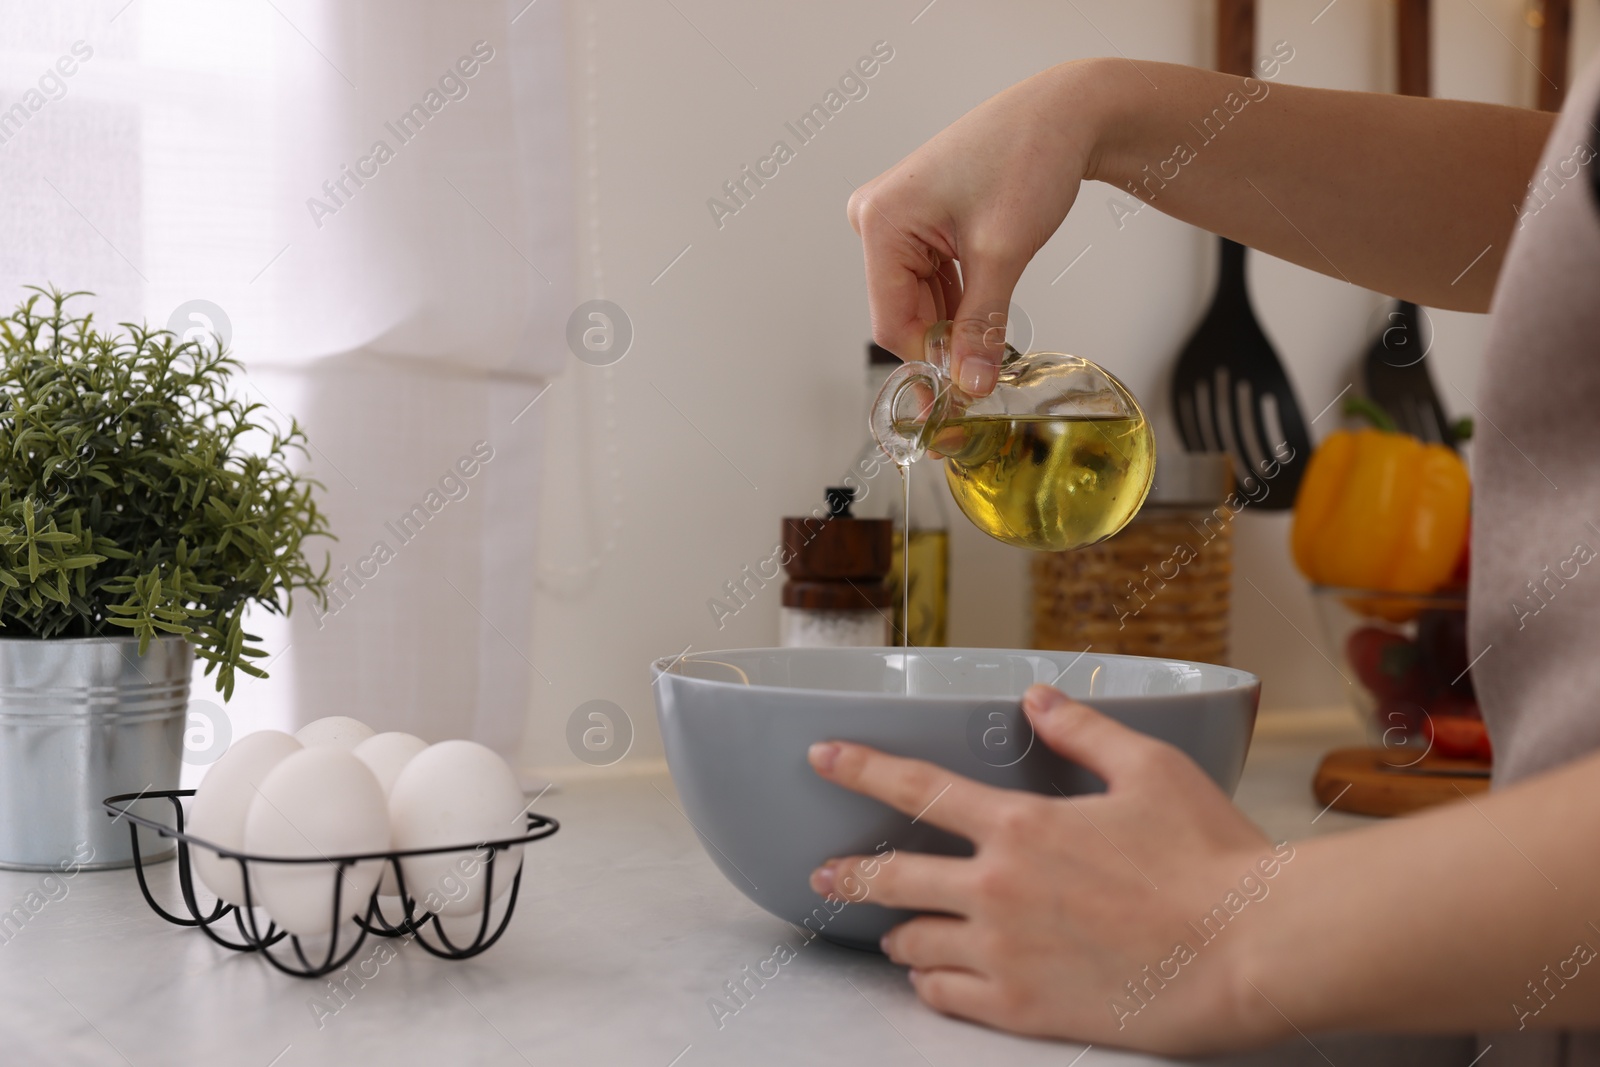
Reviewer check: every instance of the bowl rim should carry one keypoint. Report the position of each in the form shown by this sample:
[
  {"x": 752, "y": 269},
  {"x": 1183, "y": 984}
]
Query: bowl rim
[{"x": 1249, "y": 681}]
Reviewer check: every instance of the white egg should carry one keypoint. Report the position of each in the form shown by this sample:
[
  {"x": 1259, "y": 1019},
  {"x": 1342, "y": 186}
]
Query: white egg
[
  {"x": 336, "y": 731},
  {"x": 456, "y": 793},
  {"x": 217, "y": 813},
  {"x": 385, "y": 755},
  {"x": 317, "y": 802}
]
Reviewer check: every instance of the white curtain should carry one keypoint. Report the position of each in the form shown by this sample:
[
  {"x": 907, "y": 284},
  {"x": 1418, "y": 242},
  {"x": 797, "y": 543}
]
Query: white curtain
[{"x": 373, "y": 199}]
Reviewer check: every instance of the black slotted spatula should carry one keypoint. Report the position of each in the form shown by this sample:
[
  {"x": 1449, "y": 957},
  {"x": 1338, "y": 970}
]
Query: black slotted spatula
[
  {"x": 1232, "y": 395},
  {"x": 1229, "y": 389}
]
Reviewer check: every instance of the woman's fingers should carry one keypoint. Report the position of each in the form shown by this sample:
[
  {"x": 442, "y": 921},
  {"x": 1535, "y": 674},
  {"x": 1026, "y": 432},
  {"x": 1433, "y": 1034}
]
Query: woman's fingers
[
  {"x": 898, "y": 880},
  {"x": 926, "y": 792},
  {"x": 1088, "y": 738},
  {"x": 912, "y": 284},
  {"x": 931, "y": 306},
  {"x": 977, "y": 344},
  {"x": 934, "y": 941},
  {"x": 961, "y": 993},
  {"x": 949, "y": 281},
  {"x": 902, "y": 277}
]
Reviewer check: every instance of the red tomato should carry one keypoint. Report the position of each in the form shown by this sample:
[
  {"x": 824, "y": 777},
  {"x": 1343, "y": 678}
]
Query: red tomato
[{"x": 1459, "y": 737}]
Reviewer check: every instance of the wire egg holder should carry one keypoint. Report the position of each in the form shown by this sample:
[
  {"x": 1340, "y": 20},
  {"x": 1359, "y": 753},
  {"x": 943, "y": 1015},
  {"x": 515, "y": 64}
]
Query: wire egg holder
[{"x": 252, "y": 938}]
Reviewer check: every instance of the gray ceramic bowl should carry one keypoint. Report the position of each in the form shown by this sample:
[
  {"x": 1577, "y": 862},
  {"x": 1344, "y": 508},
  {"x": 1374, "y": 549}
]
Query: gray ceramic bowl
[{"x": 736, "y": 726}]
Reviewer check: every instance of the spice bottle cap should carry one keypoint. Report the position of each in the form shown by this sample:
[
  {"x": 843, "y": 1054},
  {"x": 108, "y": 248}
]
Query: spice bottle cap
[{"x": 837, "y": 546}]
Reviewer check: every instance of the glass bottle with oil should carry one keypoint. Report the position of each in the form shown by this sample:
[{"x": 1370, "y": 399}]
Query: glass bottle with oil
[
  {"x": 1059, "y": 456},
  {"x": 920, "y": 586}
]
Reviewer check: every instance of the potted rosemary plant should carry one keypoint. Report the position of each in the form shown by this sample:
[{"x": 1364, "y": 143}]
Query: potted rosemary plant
[{"x": 143, "y": 509}]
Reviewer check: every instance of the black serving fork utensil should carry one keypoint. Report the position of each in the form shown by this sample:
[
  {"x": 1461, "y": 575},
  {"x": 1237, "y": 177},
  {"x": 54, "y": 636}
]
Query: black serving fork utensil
[{"x": 1396, "y": 376}]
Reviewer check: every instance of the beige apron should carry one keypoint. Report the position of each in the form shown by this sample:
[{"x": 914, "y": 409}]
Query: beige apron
[{"x": 1535, "y": 597}]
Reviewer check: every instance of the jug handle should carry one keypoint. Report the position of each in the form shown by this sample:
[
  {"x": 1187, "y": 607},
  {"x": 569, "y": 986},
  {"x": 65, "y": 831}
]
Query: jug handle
[
  {"x": 915, "y": 394},
  {"x": 928, "y": 382}
]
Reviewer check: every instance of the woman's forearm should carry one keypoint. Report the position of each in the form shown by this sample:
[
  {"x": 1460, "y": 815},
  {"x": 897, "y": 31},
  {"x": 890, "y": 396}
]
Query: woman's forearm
[
  {"x": 1412, "y": 197},
  {"x": 1484, "y": 915}
]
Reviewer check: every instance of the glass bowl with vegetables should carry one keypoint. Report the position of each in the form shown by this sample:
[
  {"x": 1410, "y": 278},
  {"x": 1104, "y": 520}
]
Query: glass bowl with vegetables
[
  {"x": 1410, "y": 679},
  {"x": 1381, "y": 530}
]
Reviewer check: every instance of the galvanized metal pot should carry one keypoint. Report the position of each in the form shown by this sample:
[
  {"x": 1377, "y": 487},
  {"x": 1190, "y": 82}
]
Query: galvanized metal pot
[{"x": 80, "y": 720}]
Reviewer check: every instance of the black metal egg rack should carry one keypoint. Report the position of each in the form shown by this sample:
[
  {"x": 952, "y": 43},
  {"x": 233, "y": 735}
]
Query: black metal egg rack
[{"x": 419, "y": 925}]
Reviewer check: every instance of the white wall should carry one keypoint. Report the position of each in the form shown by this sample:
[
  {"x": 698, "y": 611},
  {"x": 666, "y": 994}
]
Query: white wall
[{"x": 741, "y": 396}]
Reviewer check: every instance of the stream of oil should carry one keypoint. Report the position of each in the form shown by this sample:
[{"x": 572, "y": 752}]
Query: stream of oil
[{"x": 905, "y": 576}]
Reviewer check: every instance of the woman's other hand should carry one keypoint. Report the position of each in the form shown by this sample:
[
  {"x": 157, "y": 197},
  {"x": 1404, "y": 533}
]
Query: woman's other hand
[{"x": 1110, "y": 918}]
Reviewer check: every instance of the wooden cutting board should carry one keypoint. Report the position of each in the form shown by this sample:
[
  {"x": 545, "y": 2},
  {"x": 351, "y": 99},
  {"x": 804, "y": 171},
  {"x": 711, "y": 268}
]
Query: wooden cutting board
[{"x": 1375, "y": 781}]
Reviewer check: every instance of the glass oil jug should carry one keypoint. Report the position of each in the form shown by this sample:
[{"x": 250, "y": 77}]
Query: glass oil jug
[{"x": 1059, "y": 456}]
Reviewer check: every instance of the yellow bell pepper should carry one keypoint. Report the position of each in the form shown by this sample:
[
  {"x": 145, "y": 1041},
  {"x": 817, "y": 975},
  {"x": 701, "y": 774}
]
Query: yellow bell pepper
[{"x": 1381, "y": 510}]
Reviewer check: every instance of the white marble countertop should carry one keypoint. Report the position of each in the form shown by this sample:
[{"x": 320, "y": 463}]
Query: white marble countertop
[{"x": 623, "y": 932}]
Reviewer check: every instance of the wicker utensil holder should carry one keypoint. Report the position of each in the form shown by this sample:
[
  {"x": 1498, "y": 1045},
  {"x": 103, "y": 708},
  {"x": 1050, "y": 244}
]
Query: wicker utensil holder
[{"x": 1161, "y": 587}]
